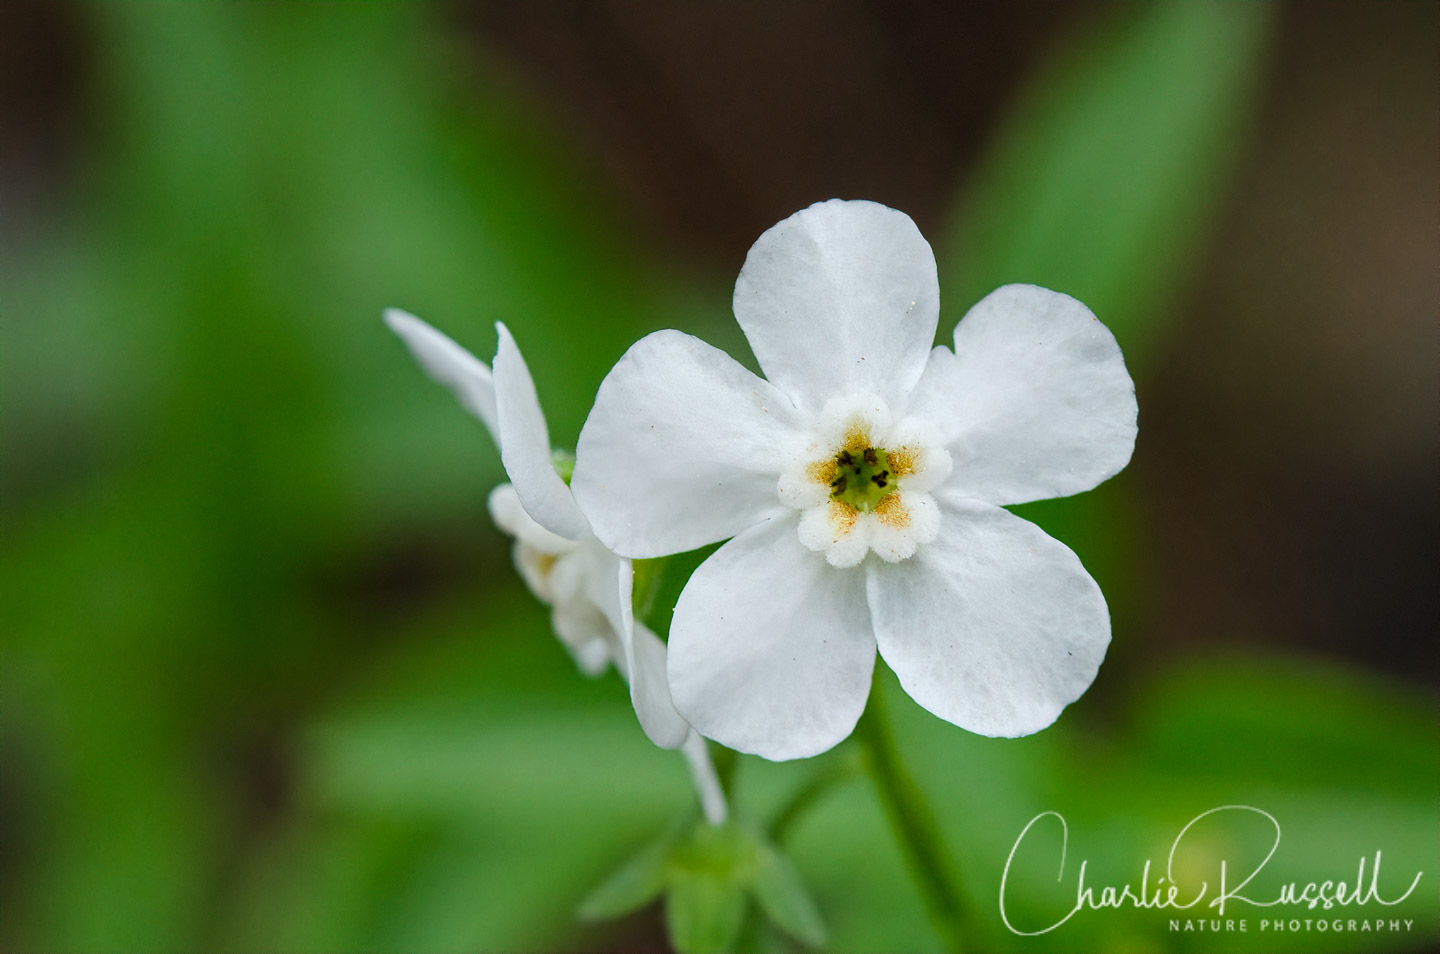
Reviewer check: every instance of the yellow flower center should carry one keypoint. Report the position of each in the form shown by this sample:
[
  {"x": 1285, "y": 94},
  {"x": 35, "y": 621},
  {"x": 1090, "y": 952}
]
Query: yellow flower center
[
  {"x": 861, "y": 478},
  {"x": 861, "y": 475}
]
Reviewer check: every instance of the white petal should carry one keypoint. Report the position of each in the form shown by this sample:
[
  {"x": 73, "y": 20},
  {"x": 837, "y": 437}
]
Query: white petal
[
  {"x": 682, "y": 448},
  {"x": 638, "y": 653},
  {"x": 534, "y": 568},
  {"x": 994, "y": 625},
  {"x": 591, "y": 588},
  {"x": 841, "y": 296},
  {"x": 465, "y": 375},
  {"x": 650, "y": 690},
  {"x": 509, "y": 515},
  {"x": 1035, "y": 402},
  {"x": 771, "y": 649},
  {"x": 930, "y": 462},
  {"x": 525, "y": 446},
  {"x": 591, "y": 657},
  {"x": 865, "y": 409},
  {"x": 585, "y": 631},
  {"x": 608, "y": 584},
  {"x": 836, "y": 531},
  {"x": 798, "y": 488},
  {"x": 920, "y": 523}
]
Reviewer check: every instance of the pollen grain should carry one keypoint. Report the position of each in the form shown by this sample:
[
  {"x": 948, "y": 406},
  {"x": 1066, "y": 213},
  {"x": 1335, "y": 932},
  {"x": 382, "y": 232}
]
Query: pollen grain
[
  {"x": 857, "y": 438},
  {"x": 823, "y": 471},
  {"x": 892, "y": 512},
  {"x": 903, "y": 460}
]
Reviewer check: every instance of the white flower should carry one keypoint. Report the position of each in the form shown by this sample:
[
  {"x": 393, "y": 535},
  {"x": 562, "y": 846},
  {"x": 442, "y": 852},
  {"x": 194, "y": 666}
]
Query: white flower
[
  {"x": 586, "y": 585},
  {"x": 862, "y": 440}
]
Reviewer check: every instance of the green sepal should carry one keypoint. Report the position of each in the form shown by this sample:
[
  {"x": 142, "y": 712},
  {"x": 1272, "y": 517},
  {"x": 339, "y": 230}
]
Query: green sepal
[
  {"x": 634, "y": 884},
  {"x": 782, "y": 895},
  {"x": 704, "y": 911},
  {"x": 706, "y": 872}
]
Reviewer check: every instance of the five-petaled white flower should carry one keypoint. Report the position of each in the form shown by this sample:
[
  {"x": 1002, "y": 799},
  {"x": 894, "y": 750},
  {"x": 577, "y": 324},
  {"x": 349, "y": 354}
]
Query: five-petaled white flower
[
  {"x": 861, "y": 440},
  {"x": 586, "y": 585}
]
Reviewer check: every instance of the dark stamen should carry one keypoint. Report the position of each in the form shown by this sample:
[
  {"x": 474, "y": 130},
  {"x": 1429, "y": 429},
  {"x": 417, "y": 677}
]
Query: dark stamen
[{"x": 870, "y": 457}]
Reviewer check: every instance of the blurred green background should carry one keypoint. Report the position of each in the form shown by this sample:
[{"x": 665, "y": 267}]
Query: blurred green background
[{"x": 269, "y": 681}]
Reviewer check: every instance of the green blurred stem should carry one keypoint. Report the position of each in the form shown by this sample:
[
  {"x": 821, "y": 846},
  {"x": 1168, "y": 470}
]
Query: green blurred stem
[
  {"x": 913, "y": 823},
  {"x": 844, "y": 766}
]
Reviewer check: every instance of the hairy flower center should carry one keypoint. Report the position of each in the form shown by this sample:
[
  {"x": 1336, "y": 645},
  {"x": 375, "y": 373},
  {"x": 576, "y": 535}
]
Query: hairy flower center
[
  {"x": 864, "y": 484},
  {"x": 862, "y": 478}
]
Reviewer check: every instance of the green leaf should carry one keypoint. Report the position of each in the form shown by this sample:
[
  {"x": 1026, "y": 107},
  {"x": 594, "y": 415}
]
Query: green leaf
[
  {"x": 704, "y": 911},
  {"x": 1107, "y": 176},
  {"x": 784, "y": 898},
  {"x": 1299, "y": 722},
  {"x": 633, "y": 885}
]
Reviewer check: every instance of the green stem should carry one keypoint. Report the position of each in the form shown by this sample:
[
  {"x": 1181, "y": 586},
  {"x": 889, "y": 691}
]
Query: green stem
[
  {"x": 840, "y": 768},
  {"x": 913, "y": 823}
]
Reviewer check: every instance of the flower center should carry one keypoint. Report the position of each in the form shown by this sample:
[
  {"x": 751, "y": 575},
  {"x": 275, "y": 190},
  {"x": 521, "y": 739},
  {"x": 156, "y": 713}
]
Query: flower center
[
  {"x": 861, "y": 482},
  {"x": 861, "y": 478}
]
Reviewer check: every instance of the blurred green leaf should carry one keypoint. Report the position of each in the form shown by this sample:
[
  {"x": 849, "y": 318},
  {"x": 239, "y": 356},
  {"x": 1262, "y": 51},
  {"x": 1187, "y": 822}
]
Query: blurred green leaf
[
  {"x": 225, "y": 465},
  {"x": 634, "y": 884},
  {"x": 782, "y": 895},
  {"x": 704, "y": 911},
  {"x": 460, "y": 733},
  {"x": 1107, "y": 175},
  {"x": 1287, "y": 721}
]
